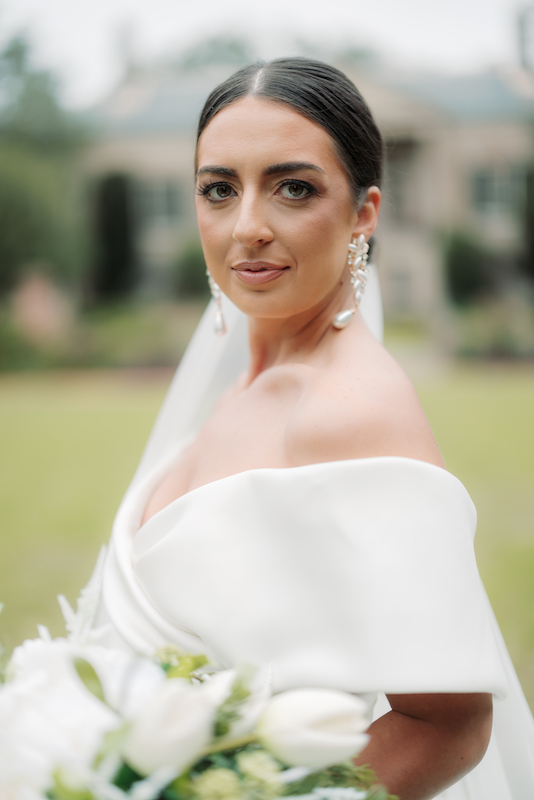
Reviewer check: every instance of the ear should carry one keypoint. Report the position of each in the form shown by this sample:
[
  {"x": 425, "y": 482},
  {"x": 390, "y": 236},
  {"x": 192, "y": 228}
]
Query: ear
[{"x": 367, "y": 217}]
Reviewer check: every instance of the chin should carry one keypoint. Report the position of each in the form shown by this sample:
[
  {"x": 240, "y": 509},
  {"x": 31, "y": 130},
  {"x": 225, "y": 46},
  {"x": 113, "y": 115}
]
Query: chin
[{"x": 268, "y": 305}]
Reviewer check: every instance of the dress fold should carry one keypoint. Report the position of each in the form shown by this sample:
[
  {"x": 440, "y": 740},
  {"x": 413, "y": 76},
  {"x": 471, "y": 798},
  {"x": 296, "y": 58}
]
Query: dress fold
[{"x": 358, "y": 575}]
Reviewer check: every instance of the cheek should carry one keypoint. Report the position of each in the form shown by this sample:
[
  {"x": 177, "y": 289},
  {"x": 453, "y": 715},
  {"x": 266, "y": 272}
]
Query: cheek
[
  {"x": 213, "y": 235},
  {"x": 321, "y": 242}
]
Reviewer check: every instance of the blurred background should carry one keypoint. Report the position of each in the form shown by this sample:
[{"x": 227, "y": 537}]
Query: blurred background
[{"x": 102, "y": 276}]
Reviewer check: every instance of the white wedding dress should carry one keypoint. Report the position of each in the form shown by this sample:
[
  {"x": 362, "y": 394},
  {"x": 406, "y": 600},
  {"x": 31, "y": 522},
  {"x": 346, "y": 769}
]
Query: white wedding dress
[{"x": 358, "y": 575}]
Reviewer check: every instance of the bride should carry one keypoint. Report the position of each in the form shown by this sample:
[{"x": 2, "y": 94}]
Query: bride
[{"x": 292, "y": 506}]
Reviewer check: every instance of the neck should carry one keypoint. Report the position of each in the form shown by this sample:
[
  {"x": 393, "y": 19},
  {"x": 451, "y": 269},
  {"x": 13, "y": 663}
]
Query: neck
[{"x": 278, "y": 341}]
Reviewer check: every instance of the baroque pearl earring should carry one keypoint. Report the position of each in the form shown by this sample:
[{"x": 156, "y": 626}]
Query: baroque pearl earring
[
  {"x": 215, "y": 289},
  {"x": 357, "y": 261}
]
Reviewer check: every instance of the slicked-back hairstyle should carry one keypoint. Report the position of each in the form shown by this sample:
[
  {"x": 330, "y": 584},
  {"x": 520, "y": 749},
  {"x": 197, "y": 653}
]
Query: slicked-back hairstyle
[{"x": 324, "y": 95}]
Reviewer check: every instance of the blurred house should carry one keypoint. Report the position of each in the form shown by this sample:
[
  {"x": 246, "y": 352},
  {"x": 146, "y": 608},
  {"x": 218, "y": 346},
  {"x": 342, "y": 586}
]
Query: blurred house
[
  {"x": 141, "y": 172},
  {"x": 459, "y": 159},
  {"x": 460, "y": 152}
]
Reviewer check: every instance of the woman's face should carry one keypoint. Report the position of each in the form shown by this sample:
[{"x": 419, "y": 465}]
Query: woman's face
[{"x": 274, "y": 209}]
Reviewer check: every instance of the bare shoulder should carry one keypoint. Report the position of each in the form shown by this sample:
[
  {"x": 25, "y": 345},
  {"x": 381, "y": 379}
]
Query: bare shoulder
[{"x": 360, "y": 405}]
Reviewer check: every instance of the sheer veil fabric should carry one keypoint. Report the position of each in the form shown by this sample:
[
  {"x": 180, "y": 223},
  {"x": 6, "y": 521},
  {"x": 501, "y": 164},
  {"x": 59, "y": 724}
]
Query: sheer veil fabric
[{"x": 358, "y": 574}]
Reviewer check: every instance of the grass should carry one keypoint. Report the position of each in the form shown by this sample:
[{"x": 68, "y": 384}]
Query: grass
[
  {"x": 71, "y": 441},
  {"x": 130, "y": 334},
  {"x": 482, "y": 417}
]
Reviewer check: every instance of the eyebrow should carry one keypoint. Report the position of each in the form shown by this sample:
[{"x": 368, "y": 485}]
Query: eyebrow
[
  {"x": 291, "y": 166},
  {"x": 214, "y": 170},
  {"x": 273, "y": 169}
]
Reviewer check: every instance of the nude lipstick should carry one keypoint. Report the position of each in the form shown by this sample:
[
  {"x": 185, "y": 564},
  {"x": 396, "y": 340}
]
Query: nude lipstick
[{"x": 257, "y": 272}]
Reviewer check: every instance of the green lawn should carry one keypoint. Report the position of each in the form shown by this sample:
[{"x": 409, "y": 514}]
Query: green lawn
[
  {"x": 70, "y": 443},
  {"x": 483, "y": 419}
]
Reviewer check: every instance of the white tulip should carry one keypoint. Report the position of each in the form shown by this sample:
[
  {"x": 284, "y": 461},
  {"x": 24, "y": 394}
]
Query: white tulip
[
  {"x": 49, "y": 719},
  {"x": 128, "y": 681},
  {"x": 314, "y": 727},
  {"x": 172, "y": 730}
]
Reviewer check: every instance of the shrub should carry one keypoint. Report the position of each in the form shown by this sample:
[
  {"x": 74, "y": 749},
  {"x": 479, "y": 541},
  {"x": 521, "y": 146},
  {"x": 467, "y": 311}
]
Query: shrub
[
  {"x": 468, "y": 268},
  {"x": 38, "y": 220},
  {"x": 190, "y": 272}
]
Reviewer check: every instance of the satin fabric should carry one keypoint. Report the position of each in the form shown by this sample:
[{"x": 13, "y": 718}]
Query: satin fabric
[{"x": 358, "y": 575}]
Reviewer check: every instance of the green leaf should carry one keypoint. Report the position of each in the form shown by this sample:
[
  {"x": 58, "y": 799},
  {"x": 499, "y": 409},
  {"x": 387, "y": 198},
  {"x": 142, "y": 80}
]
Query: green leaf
[
  {"x": 126, "y": 777},
  {"x": 60, "y": 791},
  {"x": 343, "y": 775},
  {"x": 305, "y": 785},
  {"x": 177, "y": 663},
  {"x": 181, "y": 787},
  {"x": 378, "y": 792},
  {"x": 229, "y": 711},
  {"x": 186, "y": 665},
  {"x": 348, "y": 774},
  {"x": 89, "y": 677},
  {"x": 111, "y": 742}
]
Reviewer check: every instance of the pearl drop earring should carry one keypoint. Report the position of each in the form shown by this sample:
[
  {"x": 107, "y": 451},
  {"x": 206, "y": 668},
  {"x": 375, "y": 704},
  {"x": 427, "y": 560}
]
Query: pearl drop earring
[
  {"x": 215, "y": 289},
  {"x": 357, "y": 261}
]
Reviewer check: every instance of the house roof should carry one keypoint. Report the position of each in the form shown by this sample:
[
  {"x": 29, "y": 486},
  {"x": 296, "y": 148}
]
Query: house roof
[
  {"x": 157, "y": 101},
  {"x": 486, "y": 96},
  {"x": 169, "y": 100}
]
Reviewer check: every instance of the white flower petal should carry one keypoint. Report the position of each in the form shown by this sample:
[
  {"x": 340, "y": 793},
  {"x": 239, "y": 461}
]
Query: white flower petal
[
  {"x": 314, "y": 727},
  {"x": 172, "y": 730},
  {"x": 49, "y": 718}
]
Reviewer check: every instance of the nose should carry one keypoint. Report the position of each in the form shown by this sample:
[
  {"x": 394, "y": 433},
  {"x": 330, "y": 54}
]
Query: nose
[{"x": 251, "y": 227}]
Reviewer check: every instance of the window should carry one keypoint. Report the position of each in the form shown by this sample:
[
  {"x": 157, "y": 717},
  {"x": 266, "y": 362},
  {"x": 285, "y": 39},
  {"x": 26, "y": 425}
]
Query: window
[
  {"x": 400, "y": 291},
  {"x": 160, "y": 203},
  {"x": 400, "y": 179},
  {"x": 499, "y": 191}
]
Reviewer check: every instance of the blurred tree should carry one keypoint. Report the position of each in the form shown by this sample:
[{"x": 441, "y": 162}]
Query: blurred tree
[
  {"x": 41, "y": 208},
  {"x": 359, "y": 55},
  {"x": 468, "y": 268},
  {"x": 190, "y": 272},
  {"x": 40, "y": 219},
  {"x": 30, "y": 111},
  {"x": 217, "y": 50}
]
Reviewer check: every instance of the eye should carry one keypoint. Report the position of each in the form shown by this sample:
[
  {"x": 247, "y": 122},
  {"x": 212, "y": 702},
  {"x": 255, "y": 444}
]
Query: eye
[
  {"x": 216, "y": 192},
  {"x": 296, "y": 190}
]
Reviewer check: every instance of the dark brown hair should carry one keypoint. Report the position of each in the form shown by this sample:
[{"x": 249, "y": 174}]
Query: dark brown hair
[{"x": 324, "y": 95}]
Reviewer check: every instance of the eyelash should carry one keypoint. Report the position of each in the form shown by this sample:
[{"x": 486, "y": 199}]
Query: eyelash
[
  {"x": 203, "y": 191},
  {"x": 305, "y": 185}
]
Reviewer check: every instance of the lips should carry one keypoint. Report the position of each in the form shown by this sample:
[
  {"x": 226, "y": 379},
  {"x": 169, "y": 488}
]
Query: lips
[{"x": 257, "y": 272}]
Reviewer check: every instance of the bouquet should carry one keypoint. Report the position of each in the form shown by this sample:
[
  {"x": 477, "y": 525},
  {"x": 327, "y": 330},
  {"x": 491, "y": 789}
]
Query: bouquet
[{"x": 85, "y": 722}]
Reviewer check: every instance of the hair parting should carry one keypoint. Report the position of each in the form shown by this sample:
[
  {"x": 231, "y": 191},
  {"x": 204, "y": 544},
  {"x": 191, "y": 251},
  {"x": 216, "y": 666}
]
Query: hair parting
[{"x": 323, "y": 94}]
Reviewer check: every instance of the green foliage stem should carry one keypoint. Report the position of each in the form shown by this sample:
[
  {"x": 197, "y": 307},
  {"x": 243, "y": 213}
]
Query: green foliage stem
[
  {"x": 347, "y": 775},
  {"x": 89, "y": 678},
  {"x": 60, "y": 790}
]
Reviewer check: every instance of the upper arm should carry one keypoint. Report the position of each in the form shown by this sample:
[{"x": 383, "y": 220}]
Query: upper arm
[
  {"x": 445, "y": 710},
  {"x": 459, "y": 721},
  {"x": 428, "y": 741}
]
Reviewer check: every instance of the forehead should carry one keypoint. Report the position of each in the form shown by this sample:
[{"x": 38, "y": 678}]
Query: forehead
[{"x": 258, "y": 131}]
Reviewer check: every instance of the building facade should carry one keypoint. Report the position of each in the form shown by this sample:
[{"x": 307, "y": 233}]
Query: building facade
[{"x": 459, "y": 156}]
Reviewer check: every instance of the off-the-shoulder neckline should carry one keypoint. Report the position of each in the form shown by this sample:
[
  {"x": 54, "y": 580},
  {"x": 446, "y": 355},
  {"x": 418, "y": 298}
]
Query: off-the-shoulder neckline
[{"x": 157, "y": 473}]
